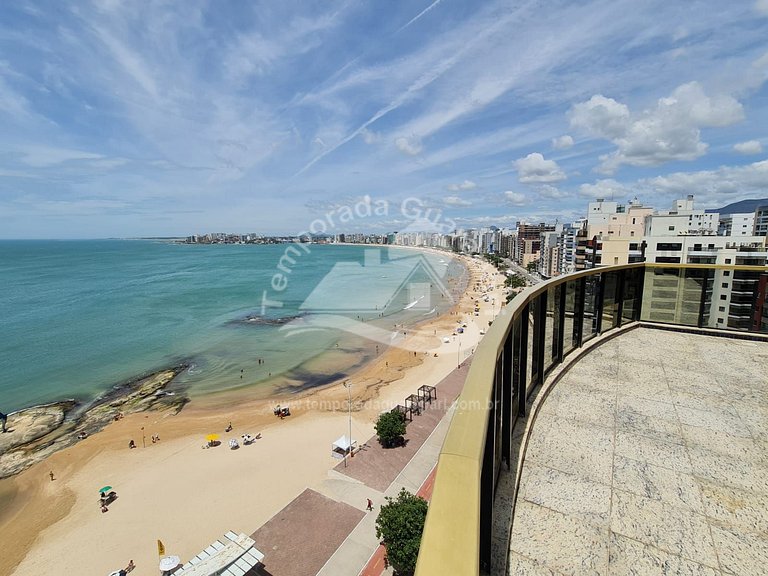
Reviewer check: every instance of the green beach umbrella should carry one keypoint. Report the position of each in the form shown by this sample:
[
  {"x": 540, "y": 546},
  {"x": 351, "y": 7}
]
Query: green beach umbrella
[{"x": 105, "y": 489}]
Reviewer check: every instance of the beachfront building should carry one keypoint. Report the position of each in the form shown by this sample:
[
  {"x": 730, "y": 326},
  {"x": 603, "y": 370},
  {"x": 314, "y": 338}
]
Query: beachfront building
[
  {"x": 528, "y": 242},
  {"x": 682, "y": 219},
  {"x": 582, "y": 396},
  {"x": 612, "y": 234},
  {"x": 737, "y": 224}
]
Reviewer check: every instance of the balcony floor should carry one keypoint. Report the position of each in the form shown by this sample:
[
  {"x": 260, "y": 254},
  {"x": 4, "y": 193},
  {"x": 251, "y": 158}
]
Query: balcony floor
[{"x": 650, "y": 456}]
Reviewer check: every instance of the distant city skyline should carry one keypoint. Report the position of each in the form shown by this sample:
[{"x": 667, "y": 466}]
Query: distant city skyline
[{"x": 167, "y": 119}]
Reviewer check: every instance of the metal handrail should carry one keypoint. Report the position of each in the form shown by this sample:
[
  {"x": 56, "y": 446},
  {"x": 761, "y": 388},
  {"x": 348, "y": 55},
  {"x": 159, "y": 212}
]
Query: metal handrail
[{"x": 451, "y": 539}]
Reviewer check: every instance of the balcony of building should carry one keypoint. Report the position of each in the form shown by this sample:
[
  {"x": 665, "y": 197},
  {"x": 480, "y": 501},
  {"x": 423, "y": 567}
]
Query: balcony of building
[{"x": 603, "y": 429}]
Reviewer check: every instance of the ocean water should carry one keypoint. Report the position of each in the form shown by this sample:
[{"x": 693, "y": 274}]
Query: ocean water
[{"x": 78, "y": 317}]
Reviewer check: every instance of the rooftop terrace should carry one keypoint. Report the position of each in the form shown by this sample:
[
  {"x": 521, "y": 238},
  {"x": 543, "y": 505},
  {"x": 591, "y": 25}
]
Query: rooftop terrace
[{"x": 648, "y": 456}]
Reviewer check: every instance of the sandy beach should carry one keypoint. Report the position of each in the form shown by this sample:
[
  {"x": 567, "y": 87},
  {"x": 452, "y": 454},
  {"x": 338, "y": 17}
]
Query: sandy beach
[{"x": 187, "y": 496}]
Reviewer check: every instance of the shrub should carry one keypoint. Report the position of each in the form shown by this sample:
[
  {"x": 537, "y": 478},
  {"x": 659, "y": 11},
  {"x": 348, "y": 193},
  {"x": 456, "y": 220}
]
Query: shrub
[
  {"x": 400, "y": 524},
  {"x": 390, "y": 428}
]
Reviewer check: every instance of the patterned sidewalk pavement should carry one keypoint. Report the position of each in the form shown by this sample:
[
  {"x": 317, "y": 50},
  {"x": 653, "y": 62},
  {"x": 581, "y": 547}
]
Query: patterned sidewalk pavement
[{"x": 326, "y": 531}]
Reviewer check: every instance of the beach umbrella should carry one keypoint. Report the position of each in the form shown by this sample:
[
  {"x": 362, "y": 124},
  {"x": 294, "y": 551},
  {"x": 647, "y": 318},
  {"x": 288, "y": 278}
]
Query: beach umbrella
[
  {"x": 212, "y": 437},
  {"x": 105, "y": 489},
  {"x": 169, "y": 562}
]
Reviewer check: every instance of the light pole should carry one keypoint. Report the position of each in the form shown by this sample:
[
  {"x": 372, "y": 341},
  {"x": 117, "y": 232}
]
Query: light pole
[{"x": 348, "y": 386}]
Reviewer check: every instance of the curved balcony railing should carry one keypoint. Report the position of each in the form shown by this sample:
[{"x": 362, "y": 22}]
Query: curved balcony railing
[{"x": 534, "y": 333}]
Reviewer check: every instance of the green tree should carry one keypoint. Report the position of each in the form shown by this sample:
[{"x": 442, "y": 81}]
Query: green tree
[
  {"x": 390, "y": 428},
  {"x": 532, "y": 266},
  {"x": 400, "y": 524},
  {"x": 515, "y": 281}
]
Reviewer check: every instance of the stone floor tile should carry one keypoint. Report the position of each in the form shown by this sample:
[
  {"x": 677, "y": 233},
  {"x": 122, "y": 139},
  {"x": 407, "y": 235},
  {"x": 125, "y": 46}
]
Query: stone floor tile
[
  {"x": 734, "y": 507},
  {"x": 562, "y": 543},
  {"x": 715, "y": 421},
  {"x": 664, "y": 454},
  {"x": 567, "y": 493},
  {"x": 522, "y": 566},
  {"x": 674, "y": 530},
  {"x": 740, "y": 553},
  {"x": 672, "y": 488},
  {"x": 746, "y": 473},
  {"x": 632, "y": 558},
  {"x": 578, "y": 447}
]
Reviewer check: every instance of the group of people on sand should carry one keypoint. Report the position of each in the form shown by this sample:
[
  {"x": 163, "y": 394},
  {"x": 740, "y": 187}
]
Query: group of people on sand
[
  {"x": 281, "y": 411},
  {"x": 127, "y": 569},
  {"x": 106, "y": 499}
]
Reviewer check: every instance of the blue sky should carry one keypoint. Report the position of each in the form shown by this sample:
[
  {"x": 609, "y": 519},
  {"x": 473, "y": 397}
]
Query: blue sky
[{"x": 172, "y": 118}]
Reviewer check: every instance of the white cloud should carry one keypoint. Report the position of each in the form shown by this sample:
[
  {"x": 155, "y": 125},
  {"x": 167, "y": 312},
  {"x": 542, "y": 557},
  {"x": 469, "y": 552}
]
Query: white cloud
[
  {"x": 456, "y": 201},
  {"x": 762, "y": 7},
  {"x": 551, "y": 192},
  {"x": 410, "y": 145},
  {"x": 668, "y": 132},
  {"x": 369, "y": 136},
  {"x": 466, "y": 185},
  {"x": 534, "y": 168},
  {"x": 608, "y": 189},
  {"x": 515, "y": 198},
  {"x": 601, "y": 116},
  {"x": 41, "y": 156},
  {"x": 562, "y": 142},
  {"x": 746, "y": 181},
  {"x": 749, "y": 147}
]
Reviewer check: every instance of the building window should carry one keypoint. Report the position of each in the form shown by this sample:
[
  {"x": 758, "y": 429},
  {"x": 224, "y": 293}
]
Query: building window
[
  {"x": 727, "y": 260},
  {"x": 721, "y": 308},
  {"x": 668, "y": 259},
  {"x": 725, "y": 284},
  {"x": 719, "y": 320},
  {"x": 671, "y": 228},
  {"x": 669, "y": 246},
  {"x": 723, "y": 296},
  {"x": 615, "y": 259},
  {"x": 727, "y": 273}
]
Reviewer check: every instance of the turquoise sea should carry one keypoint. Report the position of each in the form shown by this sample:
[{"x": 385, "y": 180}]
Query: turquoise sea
[{"x": 78, "y": 317}]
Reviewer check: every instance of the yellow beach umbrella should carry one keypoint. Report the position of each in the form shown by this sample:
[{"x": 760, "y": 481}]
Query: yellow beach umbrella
[{"x": 212, "y": 437}]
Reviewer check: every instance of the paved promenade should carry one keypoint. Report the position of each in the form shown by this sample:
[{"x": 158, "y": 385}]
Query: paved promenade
[
  {"x": 326, "y": 530},
  {"x": 650, "y": 456}
]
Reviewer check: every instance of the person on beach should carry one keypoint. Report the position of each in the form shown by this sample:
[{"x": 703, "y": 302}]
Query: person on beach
[
  {"x": 228, "y": 428},
  {"x": 51, "y": 475},
  {"x": 130, "y": 566},
  {"x": 131, "y": 444},
  {"x": 3, "y": 420}
]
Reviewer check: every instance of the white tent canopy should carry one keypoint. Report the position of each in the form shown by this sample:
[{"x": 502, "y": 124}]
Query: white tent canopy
[{"x": 342, "y": 446}]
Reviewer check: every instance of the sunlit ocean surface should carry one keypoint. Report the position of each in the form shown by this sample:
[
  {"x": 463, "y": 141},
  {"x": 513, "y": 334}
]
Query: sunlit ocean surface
[{"x": 78, "y": 317}]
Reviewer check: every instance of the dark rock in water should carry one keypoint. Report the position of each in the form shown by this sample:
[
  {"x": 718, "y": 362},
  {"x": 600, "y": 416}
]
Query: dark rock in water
[
  {"x": 37, "y": 432},
  {"x": 258, "y": 320}
]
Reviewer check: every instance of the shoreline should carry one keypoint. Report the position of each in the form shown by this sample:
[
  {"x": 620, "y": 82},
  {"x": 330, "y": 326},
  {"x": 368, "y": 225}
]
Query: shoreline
[
  {"x": 323, "y": 408},
  {"x": 64, "y": 418}
]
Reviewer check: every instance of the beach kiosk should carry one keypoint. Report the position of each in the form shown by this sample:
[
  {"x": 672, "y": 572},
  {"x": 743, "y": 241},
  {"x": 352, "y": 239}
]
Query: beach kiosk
[{"x": 342, "y": 446}]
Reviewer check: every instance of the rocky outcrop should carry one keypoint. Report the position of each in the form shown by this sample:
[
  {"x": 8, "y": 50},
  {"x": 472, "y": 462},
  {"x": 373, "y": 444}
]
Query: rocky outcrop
[{"x": 37, "y": 432}]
